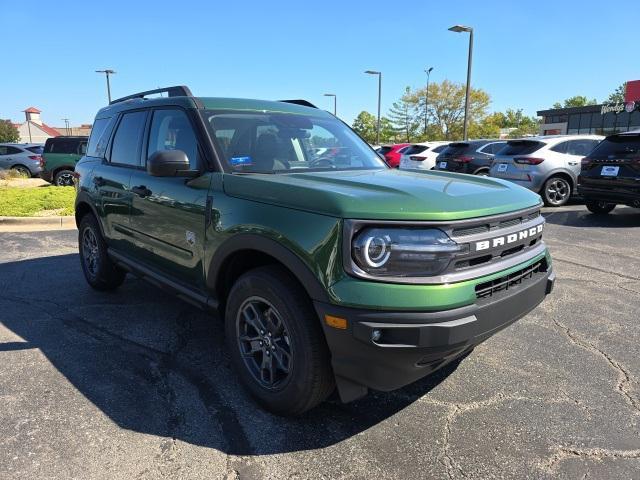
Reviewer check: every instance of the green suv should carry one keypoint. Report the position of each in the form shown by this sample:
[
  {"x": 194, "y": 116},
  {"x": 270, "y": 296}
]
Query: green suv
[
  {"x": 329, "y": 268},
  {"x": 60, "y": 157}
]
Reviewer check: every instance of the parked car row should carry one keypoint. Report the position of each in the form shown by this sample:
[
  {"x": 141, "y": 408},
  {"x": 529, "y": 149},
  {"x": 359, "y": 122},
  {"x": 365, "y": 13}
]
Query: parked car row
[
  {"x": 548, "y": 165},
  {"x": 54, "y": 161}
]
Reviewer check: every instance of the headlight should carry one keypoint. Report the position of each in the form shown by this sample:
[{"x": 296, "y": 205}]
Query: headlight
[{"x": 403, "y": 252}]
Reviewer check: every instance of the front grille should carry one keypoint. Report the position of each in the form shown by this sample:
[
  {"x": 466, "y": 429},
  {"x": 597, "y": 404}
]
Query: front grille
[
  {"x": 503, "y": 284},
  {"x": 492, "y": 226}
]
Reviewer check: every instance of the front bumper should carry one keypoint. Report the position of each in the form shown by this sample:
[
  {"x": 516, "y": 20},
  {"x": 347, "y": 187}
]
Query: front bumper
[{"x": 414, "y": 344}]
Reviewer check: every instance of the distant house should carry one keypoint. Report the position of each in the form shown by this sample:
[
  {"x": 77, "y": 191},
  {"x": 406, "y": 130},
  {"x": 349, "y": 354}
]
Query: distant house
[{"x": 34, "y": 130}]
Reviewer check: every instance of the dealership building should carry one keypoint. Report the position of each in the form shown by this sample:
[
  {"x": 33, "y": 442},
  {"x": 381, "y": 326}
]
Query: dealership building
[{"x": 595, "y": 119}]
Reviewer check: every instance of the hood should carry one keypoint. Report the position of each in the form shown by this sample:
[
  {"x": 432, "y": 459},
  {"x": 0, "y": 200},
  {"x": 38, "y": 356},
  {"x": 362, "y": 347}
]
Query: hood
[{"x": 387, "y": 194}]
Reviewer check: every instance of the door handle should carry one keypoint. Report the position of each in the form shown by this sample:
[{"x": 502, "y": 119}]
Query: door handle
[
  {"x": 141, "y": 191},
  {"x": 574, "y": 163},
  {"x": 99, "y": 181}
]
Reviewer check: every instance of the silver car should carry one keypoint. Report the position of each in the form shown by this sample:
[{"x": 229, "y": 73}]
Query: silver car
[
  {"x": 25, "y": 158},
  {"x": 548, "y": 165}
]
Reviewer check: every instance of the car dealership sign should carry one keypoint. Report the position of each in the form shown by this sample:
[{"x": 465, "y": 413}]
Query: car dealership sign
[{"x": 619, "y": 107}]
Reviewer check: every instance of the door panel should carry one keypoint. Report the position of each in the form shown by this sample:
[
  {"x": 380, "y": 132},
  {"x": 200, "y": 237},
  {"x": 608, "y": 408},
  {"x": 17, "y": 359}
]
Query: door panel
[
  {"x": 111, "y": 187},
  {"x": 168, "y": 213}
]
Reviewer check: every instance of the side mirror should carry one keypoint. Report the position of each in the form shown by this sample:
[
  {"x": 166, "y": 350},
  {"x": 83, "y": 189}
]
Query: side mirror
[{"x": 169, "y": 163}]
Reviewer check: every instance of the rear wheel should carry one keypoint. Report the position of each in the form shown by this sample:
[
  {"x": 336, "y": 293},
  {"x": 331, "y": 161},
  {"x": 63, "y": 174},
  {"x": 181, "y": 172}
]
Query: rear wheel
[
  {"x": 63, "y": 178},
  {"x": 599, "y": 207},
  {"x": 556, "y": 191},
  {"x": 99, "y": 270},
  {"x": 276, "y": 342},
  {"x": 22, "y": 170},
  {"x": 482, "y": 173}
]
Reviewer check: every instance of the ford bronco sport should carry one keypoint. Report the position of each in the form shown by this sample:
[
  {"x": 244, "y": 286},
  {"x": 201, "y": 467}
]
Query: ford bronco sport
[{"x": 329, "y": 268}]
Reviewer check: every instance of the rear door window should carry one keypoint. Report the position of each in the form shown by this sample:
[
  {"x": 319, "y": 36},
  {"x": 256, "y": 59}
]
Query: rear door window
[
  {"x": 456, "y": 148},
  {"x": 622, "y": 147},
  {"x": 581, "y": 147},
  {"x": 9, "y": 150},
  {"x": 128, "y": 138},
  {"x": 521, "y": 147}
]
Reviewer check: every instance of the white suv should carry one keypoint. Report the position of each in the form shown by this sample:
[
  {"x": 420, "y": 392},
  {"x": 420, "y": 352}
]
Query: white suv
[
  {"x": 422, "y": 156},
  {"x": 548, "y": 165}
]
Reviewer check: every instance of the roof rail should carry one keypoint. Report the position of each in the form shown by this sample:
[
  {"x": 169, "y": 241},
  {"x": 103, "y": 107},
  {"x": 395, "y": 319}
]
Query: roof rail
[
  {"x": 177, "y": 91},
  {"x": 304, "y": 103}
]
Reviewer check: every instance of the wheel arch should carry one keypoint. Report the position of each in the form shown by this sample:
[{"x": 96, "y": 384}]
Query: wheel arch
[
  {"x": 245, "y": 252},
  {"x": 564, "y": 174},
  {"x": 83, "y": 206}
]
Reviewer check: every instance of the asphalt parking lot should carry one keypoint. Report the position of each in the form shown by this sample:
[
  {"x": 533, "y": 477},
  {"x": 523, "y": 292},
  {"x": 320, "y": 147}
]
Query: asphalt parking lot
[{"x": 136, "y": 384}]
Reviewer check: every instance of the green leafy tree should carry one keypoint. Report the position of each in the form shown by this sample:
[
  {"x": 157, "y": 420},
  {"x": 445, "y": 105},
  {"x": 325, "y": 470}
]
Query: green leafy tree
[
  {"x": 576, "y": 101},
  {"x": 404, "y": 117},
  {"x": 618, "y": 94},
  {"x": 365, "y": 125},
  {"x": 8, "y": 133},
  {"x": 446, "y": 109}
]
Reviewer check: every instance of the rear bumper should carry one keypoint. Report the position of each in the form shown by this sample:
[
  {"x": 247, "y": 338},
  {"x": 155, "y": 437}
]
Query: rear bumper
[
  {"x": 414, "y": 344},
  {"x": 625, "y": 195},
  {"x": 47, "y": 176}
]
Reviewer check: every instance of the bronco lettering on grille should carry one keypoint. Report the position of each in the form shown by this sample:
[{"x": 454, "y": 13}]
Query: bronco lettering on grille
[{"x": 508, "y": 239}]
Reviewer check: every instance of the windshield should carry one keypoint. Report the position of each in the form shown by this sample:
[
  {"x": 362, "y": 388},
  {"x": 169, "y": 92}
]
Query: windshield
[{"x": 284, "y": 142}]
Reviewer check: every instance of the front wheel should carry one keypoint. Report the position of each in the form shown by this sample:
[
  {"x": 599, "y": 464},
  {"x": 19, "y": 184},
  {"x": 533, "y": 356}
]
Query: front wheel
[
  {"x": 99, "y": 270},
  {"x": 556, "y": 191},
  {"x": 599, "y": 207},
  {"x": 276, "y": 342}
]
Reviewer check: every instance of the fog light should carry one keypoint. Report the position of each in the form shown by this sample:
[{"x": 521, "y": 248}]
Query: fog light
[{"x": 376, "y": 335}]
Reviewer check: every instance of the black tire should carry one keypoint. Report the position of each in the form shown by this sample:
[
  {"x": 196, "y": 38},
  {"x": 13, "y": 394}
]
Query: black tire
[
  {"x": 22, "y": 170},
  {"x": 63, "y": 178},
  {"x": 271, "y": 297},
  {"x": 599, "y": 207},
  {"x": 482, "y": 173},
  {"x": 556, "y": 191},
  {"x": 99, "y": 270}
]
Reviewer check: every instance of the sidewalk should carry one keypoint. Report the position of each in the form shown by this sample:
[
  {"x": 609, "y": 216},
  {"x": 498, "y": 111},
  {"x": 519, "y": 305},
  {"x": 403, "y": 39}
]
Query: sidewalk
[{"x": 33, "y": 224}]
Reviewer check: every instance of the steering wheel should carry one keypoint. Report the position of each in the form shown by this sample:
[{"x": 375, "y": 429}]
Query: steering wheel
[{"x": 322, "y": 162}]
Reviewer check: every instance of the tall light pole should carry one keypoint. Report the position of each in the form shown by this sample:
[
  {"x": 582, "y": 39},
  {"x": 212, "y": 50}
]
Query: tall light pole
[
  {"x": 66, "y": 125},
  {"x": 426, "y": 100},
  {"x": 460, "y": 29},
  {"x": 335, "y": 102},
  {"x": 373, "y": 72},
  {"x": 107, "y": 72}
]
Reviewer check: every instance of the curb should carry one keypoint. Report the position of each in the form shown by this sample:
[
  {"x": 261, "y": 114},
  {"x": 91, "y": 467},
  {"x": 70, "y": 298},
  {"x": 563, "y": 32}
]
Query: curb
[{"x": 62, "y": 222}]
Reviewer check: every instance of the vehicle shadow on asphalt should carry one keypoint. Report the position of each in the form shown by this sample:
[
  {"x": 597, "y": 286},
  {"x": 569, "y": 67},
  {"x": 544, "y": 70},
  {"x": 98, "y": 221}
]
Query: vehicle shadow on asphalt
[
  {"x": 621, "y": 217},
  {"x": 155, "y": 365}
]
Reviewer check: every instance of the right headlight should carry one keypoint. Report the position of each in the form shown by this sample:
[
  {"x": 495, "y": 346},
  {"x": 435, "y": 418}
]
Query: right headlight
[{"x": 403, "y": 252}]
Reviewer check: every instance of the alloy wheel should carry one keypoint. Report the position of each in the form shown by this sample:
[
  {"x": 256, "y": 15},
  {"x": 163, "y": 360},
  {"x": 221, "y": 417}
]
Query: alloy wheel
[
  {"x": 264, "y": 343},
  {"x": 90, "y": 253},
  {"x": 64, "y": 180},
  {"x": 558, "y": 190}
]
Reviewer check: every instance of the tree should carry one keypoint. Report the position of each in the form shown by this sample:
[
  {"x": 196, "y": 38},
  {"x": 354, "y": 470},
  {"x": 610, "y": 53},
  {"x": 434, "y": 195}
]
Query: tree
[
  {"x": 8, "y": 133},
  {"x": 404, "y": 117},
  {"x": 522, "y": 124},
  {"x": 575, "y": 101},
  {"x": 446, "y": 109},
  {"x": 365, "y": 125},
  {"x": 618, "y": 94}
]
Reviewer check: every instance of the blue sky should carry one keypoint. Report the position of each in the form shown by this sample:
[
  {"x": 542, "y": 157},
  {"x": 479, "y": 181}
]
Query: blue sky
[{"x": 526, "y": 55}]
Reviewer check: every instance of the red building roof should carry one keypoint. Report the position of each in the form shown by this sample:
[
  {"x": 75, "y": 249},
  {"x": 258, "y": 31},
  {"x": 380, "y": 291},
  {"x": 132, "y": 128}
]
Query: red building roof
[
  {"x": 49, "y": 130},
  {"x": 32, "y": 110}
]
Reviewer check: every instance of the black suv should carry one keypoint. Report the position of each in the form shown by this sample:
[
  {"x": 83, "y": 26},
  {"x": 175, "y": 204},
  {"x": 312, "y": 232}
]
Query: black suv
[
  {"x": 610, "y": 174},
  {"x": 474, "y": 156}
]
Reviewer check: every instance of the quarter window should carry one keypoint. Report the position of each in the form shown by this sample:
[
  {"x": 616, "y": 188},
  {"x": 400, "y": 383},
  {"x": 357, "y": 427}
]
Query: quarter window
[
  {"x": 126, "y": 142},
  {"x": 171, "y": 130},
  {"x": 560, "y": 148},
  {"x": 99, "y": 138}
]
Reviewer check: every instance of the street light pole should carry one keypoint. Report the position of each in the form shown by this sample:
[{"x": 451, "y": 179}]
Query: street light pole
[
  {"x": 373, "y": 72},
  {"x": 66, "y": 125},
  {"x": 459, "y": 29},
  {"x": 107, "y": 72},
  {"x": 335, "y": 102},
  {"x": 426, "y": 100}
]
